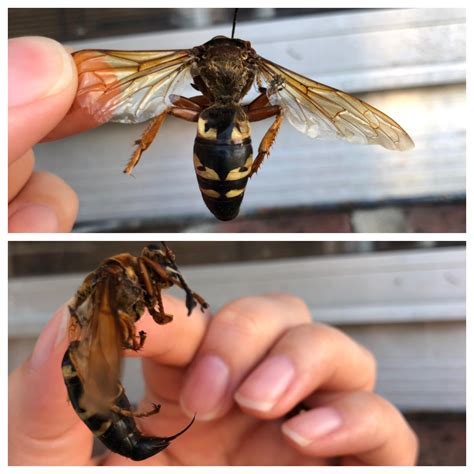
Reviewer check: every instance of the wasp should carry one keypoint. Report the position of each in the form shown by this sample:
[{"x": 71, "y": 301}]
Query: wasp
[
  {"x": 137, "y": 86},
  {"x": 103, "y": 314}
]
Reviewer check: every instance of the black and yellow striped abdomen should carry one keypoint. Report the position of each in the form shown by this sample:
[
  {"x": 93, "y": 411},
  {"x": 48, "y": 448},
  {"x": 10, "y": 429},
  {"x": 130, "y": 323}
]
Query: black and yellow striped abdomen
[
  {"x": 223, "y": 159},
  {"x": 118, "y": 433}
]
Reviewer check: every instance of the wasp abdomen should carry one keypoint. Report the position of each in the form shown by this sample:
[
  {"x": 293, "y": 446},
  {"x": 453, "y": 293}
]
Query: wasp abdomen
[
  {"x": 118, "y": 433},
  {"x": 223, "y": 159}
]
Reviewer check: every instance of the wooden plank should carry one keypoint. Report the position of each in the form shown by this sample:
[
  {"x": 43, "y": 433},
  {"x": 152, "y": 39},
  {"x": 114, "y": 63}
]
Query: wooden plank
[
  {"x": 348, "y": 51},
  {"x": 385, "y": 287}
]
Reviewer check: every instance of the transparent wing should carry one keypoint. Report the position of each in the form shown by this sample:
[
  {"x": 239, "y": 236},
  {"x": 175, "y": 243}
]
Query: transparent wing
[
  {"x": 99, "y": 353},
  {"x": 129, "y": 86},
  {"x": 320, "y": 111}
]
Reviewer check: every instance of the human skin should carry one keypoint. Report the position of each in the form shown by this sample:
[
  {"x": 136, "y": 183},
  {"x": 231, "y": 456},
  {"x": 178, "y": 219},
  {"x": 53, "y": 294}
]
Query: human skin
[
  {"x": 241, "y": 372},
  {"x": 42, "y": 83}
]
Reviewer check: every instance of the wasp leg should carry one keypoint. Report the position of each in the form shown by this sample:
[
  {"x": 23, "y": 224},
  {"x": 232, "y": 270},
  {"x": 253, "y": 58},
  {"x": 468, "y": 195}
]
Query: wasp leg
[
  {"x": 201, "y": 100},
  {"x": 170, "y": 255},
  {"x": 185, "y": 113},
  {"x": 160, "y": 316},
  {"x": 259, "y": 102},
  {"x": 136, "y": 414},
  {"x": 190, "y": 295},
  {"x": 130, "y": 339},
  {"x": 270, "y": 136},
  {"x": 197, "y": 103},
  {"x": 145, "y": 141}
]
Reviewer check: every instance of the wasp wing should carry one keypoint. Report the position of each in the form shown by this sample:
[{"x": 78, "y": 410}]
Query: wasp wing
[
  {"x": 129, "y": 86},
  {"x": 99, "y": 352},
  {"x": 318, "y": 110}
]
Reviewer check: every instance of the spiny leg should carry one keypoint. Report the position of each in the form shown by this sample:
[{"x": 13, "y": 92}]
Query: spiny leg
[
  {"x": 175, "y": 281},
  {"x": 146, "y": 140},
  {"x": 130, "y": 339},
  {"x": 260, "y": 109},
  {"x": 160, "y": 316},
  {"x": 185, "y": 112},
  {"x": 135, "y": 414},
  {"x": 269, "y": 137}
]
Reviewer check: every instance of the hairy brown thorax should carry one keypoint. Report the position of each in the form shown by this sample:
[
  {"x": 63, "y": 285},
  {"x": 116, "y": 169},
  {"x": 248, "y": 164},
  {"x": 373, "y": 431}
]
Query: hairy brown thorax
[{"x": 224, "y": 69}]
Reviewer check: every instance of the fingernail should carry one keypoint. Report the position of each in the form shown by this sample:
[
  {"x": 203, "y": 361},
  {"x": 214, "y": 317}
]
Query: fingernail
[
  {"x": 33, "y": 218},
  {"x": 312, "y": 425},
  {"x": 205, "y": 388},
  {"x": 51, "y": 337},
  {"x": 37, "y": 67},
  {"x": 266, "y": 384}
]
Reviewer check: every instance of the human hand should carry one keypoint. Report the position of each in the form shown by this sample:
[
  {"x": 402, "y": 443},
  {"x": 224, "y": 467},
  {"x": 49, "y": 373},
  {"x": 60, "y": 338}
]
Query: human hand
[
  {"x": 242, "y": 372},
  {"x": 42, "y": 83}
]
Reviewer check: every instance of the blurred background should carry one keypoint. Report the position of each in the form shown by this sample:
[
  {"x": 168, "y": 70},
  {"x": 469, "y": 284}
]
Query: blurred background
[
  {"x": 410, "y": 63},
  {"x": 405, "y": 301}
]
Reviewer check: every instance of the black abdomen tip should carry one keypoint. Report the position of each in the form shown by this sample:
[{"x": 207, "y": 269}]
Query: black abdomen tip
[{"x": 224, "y": 209}]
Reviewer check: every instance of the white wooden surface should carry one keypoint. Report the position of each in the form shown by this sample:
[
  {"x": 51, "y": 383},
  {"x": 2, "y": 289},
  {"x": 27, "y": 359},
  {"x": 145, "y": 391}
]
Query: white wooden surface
[
  {"x": 388, "y": 57},
  {"x": 407, "y": 307}
]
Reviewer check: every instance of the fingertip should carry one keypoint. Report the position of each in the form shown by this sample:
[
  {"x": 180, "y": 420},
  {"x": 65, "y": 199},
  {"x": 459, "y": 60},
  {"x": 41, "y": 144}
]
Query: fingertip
[
  {"x": 45, "y": 204},
  {"x": 38, "y": 67},
  {"x": 176, "y": 342},
  {"x": 42, "y": 83}
]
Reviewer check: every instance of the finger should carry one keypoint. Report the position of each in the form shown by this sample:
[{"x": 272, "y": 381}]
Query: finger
[
  {"x": 19, "y": 173},
  {"x": 42, "y": 83},
  {"x": 76, "y": 121},
  {"x": 238, "y": 337},
  {"x": 361, "y": 426},
  {"x": 43, "y": 427},
  {"x": 45, "y": 204},
  {"x": 320, "y": 358},
  {"x": 173, "y": 344}
]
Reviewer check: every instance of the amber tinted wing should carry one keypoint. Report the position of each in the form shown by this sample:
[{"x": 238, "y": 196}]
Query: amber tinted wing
[
  {"x": 129, "y": 86},
  {"x": 321, "y": 111},
  {"x": 99, "y": 352}
]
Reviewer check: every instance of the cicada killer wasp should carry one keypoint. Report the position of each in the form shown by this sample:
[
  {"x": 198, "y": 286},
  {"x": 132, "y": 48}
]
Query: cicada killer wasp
[
  {"x": 137, "y": 86},
  {"x": 103, "y": 313}
]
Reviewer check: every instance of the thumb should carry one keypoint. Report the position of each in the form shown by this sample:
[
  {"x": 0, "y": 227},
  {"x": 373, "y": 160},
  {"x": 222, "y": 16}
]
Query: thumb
[
  {"x": 42, "y": 82},
  {"x": 43, "y": 428}
]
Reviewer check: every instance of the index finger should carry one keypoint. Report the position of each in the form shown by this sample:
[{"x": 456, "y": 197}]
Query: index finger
[
  {"x": 174, "y": 343},
  {"x": 77, "y": 120}
]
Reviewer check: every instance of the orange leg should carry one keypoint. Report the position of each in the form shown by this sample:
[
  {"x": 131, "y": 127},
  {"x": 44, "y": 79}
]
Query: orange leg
[
  {"x": 185, "y": 109},
  {"x": 136, "y": 414},
  {"x": 161, "y": 317},
  {"x": 130, "y": 339},
  {"x": 267, "y": 140},
  {"x": 260, "y": 109},
  {"x": 145, "y": 141},
  {"x": 198, "y": 102}
]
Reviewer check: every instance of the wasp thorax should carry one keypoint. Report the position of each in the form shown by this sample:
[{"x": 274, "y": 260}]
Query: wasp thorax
[{"x": 223, "y": 158}]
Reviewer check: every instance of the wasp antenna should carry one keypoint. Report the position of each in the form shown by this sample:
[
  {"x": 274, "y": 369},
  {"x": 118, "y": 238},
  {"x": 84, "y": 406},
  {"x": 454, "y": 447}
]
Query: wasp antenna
[{"x": 234, "y": 22}]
